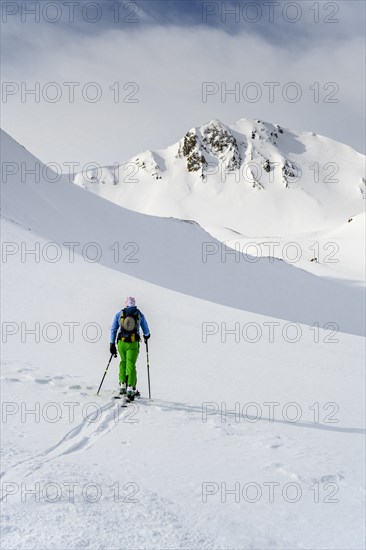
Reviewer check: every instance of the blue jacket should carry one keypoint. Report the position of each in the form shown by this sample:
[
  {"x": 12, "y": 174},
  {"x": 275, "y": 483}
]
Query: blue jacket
[{"x": 116, "y": 324}]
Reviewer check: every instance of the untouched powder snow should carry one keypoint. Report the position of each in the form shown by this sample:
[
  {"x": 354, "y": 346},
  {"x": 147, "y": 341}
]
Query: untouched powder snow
[{"x": 230, "y": 411}]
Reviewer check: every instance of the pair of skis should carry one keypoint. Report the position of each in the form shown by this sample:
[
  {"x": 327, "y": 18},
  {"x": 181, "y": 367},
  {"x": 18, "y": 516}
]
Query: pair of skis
[{"x": 125, "y": 399}]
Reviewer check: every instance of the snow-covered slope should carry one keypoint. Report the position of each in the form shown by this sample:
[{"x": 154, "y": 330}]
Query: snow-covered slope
[
  {"x": 171, "y": 253},
  {"x": 84, "y": 457},
  {"x": 297, "y": 391},
  {"x": 254, "y": 178}
]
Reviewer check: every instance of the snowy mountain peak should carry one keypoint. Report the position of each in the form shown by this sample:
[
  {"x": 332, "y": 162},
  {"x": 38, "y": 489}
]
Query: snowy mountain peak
[
  {"x": 214, "y": 142},
  {"x": 253, "y": 177},
  {"x": 211, "y": 142}
]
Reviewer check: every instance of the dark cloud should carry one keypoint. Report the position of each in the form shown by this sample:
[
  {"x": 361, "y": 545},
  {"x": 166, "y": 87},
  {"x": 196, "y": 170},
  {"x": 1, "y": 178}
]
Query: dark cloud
[{"x": 286, "y": 23}]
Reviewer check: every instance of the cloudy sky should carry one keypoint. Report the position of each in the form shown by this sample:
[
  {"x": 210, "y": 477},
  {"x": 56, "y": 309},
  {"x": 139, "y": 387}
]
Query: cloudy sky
[{"x": 111, "y": 79}]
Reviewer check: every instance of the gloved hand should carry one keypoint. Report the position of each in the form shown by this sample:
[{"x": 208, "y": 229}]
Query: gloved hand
[
  {"x": 146, "y": 338},
  {"x": 113, "y": 349}
]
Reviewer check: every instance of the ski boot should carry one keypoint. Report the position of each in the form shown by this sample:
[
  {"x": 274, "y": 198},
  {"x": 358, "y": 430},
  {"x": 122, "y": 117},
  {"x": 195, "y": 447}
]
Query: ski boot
[
  {"x": 122, "y": 389},
  {"x": 130, "y": 393}
]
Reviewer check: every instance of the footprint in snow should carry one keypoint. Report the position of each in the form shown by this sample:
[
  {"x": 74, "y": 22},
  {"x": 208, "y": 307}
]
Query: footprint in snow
[
  {"x": 332, "y": 478},
  {"x": 24, "y": 370},
  {"x": 276, "y": 443}
]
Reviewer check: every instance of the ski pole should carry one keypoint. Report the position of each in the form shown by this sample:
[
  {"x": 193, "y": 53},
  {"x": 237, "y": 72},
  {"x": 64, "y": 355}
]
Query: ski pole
[
  {"x": 148, "y": 367},
  {"x": 105, "y": 372}
]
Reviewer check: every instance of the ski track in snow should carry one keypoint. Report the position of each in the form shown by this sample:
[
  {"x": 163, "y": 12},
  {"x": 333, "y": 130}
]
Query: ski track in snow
[
  {"x": 85, "y": 434},
  {"x": 166, "y": 524},
  {"x": 173, "y": 406},
  {"x": 81, "y": 437}
]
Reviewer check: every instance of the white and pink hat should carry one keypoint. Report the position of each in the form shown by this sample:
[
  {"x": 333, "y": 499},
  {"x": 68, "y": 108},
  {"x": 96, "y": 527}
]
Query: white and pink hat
[{"x": 130, "y": 302}]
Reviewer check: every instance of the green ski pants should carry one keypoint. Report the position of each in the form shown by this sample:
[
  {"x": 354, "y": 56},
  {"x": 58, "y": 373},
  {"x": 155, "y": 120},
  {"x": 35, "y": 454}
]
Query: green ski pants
[{"x": 128, "y": 352}]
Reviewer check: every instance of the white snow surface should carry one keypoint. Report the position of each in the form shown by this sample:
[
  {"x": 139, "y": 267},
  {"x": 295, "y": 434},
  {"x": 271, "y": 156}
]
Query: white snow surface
[
  {"x": 258, "y": 182},
  {"x": 167, "y": 453}
]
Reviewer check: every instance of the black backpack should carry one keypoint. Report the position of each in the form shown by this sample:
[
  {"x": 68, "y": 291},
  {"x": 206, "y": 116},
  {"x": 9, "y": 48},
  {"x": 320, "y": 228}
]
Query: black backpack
[{"x": 129, "y": 325}]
